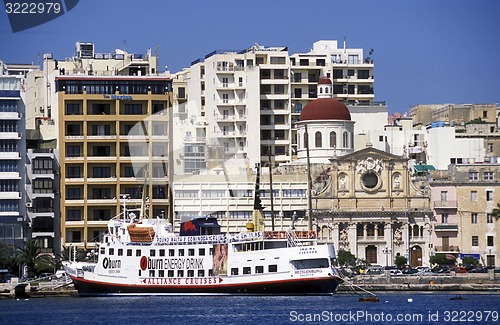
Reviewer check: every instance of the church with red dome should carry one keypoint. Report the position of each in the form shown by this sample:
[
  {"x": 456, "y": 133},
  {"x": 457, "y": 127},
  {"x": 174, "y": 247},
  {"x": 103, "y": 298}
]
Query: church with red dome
[{"x": 329, "y": 127}]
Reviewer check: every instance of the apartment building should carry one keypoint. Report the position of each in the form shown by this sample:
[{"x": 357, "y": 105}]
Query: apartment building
[
  {"x": 463, "y": 199},
  {"x": 42, "y": 198},
  {"x": 104, "y": 118},
  {"x": 114, "y": 145},
  {"x": 13, "y": 220},
  {"x": 246, "y": 103}
]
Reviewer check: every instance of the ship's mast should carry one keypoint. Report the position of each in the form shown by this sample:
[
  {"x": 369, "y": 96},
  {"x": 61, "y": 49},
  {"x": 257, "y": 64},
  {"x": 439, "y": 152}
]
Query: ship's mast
[{"x": 257, "y": 216}]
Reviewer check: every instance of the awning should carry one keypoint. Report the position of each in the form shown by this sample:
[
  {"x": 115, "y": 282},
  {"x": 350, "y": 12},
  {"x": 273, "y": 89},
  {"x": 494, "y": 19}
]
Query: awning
[{"x": 420, "y": 168}]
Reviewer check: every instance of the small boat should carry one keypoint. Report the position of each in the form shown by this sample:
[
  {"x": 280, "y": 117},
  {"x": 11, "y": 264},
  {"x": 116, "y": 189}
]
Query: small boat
[
  {"x": 458, "y": 298},
  {"x": 369, "y": 299}
]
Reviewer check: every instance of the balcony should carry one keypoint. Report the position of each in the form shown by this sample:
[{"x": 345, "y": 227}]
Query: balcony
[
  {"x": 449, "y": 248},
  {"x": 446, "y": 227},
  {"x": 10, "y": 135},
  {"x": 445, "y": 204}
]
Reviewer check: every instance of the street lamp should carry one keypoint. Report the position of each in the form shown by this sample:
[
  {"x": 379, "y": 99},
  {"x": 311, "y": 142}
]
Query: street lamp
[{"x": 386, "y": 252}]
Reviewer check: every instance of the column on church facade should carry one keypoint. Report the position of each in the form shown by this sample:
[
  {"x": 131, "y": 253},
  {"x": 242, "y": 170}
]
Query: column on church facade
[{"x": 353, "y": 239}]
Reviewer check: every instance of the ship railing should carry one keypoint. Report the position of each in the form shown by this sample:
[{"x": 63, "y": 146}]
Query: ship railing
[{"x": 292, "y": 239}]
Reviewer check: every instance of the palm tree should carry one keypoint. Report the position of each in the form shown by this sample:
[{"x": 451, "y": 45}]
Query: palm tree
[{"x": 30, "y": 256}]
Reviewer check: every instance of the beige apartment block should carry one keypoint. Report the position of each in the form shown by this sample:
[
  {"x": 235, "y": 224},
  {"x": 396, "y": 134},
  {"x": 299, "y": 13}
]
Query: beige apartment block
[
  {"x": 114, "y": 143},
  {"x": 478, "y": 193}
]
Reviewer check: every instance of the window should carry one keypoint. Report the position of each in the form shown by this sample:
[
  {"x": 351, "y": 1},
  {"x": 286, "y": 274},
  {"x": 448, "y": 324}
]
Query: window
[
  {"x": 234, "y": 271},
  {"x": 180, "y": 273},
  {"x": 489, "y": 218},
  {"x": 129, "y": 252},
  {"x": 191, "y": 252},
  {"x": 490, "y": 147},
  {"x": 273, "y": 268},
  {"x": 111, "y": 251},
  {"x": 181, "y": 252},
  {"x": 488, "y": 176},
  {"x": 101, "y": 129},
  {"x": 345, "y": 139},
  {"x": 101, "y": 172},
  {"x": 72, "y": 151},
  {"x": 201, "y": 273},
  {"x": 101, "y": 109},
  {"x": 333, "y": 139},
  {"x": 190, "y": 273},
  {"x": 489, "y": 240},
  {"x": 170, "y": 273},
  {"x": 473, "y": 176},
  {"x": 353, "y": 59},
  {"x": 259, "y": 269},
  {"x": 279, "y": 119},
  {"x": 162, "y": 252},
  {"x": 73, "y": 109},
  {"x": 73, "y": 172},
  {"x": 161, "y": 273},
  {"x": 363, "y": 74},
  {"x": 74, "y": 215},
  {"x": 201, "y": 252},
  {"x": 473, "y": 195},
  {"x": 246, "y": 270},
  {"x": 317, "y": 139},
  {"x": 133, "y": 109},
  {"x": 120, "y": 252},
  {"x": 101, "y": 151},
  {"x": 74, "y": 193},
  {"x": 489, "y": 195},
  {"x": 444, "y": 218},
  {"x": 473, "y": 218},
  {"x": 138, "y": 252},
  {"x": 475, "y": 241},
  {"x": 157, "y": 108},
  {"x": 171, "y": 252}
]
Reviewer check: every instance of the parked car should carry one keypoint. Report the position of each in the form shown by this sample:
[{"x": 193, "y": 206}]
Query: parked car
[
  {"x": 46, "y": 276},
  {"x": 409, "y": 271},
  {"x": 424, "y": 270},
  {"x": 60, "y": 273},
  {"x": 457, "y": 269},
  {"x": 395, "y": 272},
  {"x": 479, "y": 269},
  {"x": 374, "y": 270}
]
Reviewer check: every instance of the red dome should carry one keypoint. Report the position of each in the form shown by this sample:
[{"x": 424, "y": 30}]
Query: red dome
[
  {"x": 325, "y": 109},
  {"x": 324, "y": 81}
]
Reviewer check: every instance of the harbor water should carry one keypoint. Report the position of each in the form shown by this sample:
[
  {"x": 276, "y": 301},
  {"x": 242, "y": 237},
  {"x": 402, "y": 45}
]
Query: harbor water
[{"x": 341, "y": 308}]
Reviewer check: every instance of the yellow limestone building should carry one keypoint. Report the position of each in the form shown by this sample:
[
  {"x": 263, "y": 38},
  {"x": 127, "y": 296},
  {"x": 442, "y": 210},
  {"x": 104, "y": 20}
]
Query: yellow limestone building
[{"x": 114, "y": 142}]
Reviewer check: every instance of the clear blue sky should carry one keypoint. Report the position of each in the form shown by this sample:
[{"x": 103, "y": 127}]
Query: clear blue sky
[{"x": 425, "y": 51}]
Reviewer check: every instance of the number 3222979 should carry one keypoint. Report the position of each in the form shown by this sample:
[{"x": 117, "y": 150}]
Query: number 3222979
[
  {"x": 470, "y": 316},
  {"x": 32, "y": 8}
]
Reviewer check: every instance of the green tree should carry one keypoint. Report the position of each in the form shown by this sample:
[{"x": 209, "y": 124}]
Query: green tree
[
  {"x": 7, "y": 261},
  {"x": 496, "y": 211},
  {"x": 345, "y": 258},
  {"x": 30, "y": 255},
  {"x": 469, "y": 260},
  {"x": 67, "y": 254},
  {"x": 399, "y": 261},
  {"x": 441, "y": 259}
]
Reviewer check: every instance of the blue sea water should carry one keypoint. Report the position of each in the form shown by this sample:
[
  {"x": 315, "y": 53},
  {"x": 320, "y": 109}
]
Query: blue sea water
[{"x": 341, "y": 308}]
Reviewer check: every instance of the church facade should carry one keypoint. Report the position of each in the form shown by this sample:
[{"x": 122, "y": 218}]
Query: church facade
[{"x": 366, "y": 201}]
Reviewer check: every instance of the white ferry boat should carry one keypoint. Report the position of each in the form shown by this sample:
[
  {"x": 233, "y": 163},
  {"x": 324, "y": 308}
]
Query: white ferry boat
[{"x": 146, "y": 257}]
